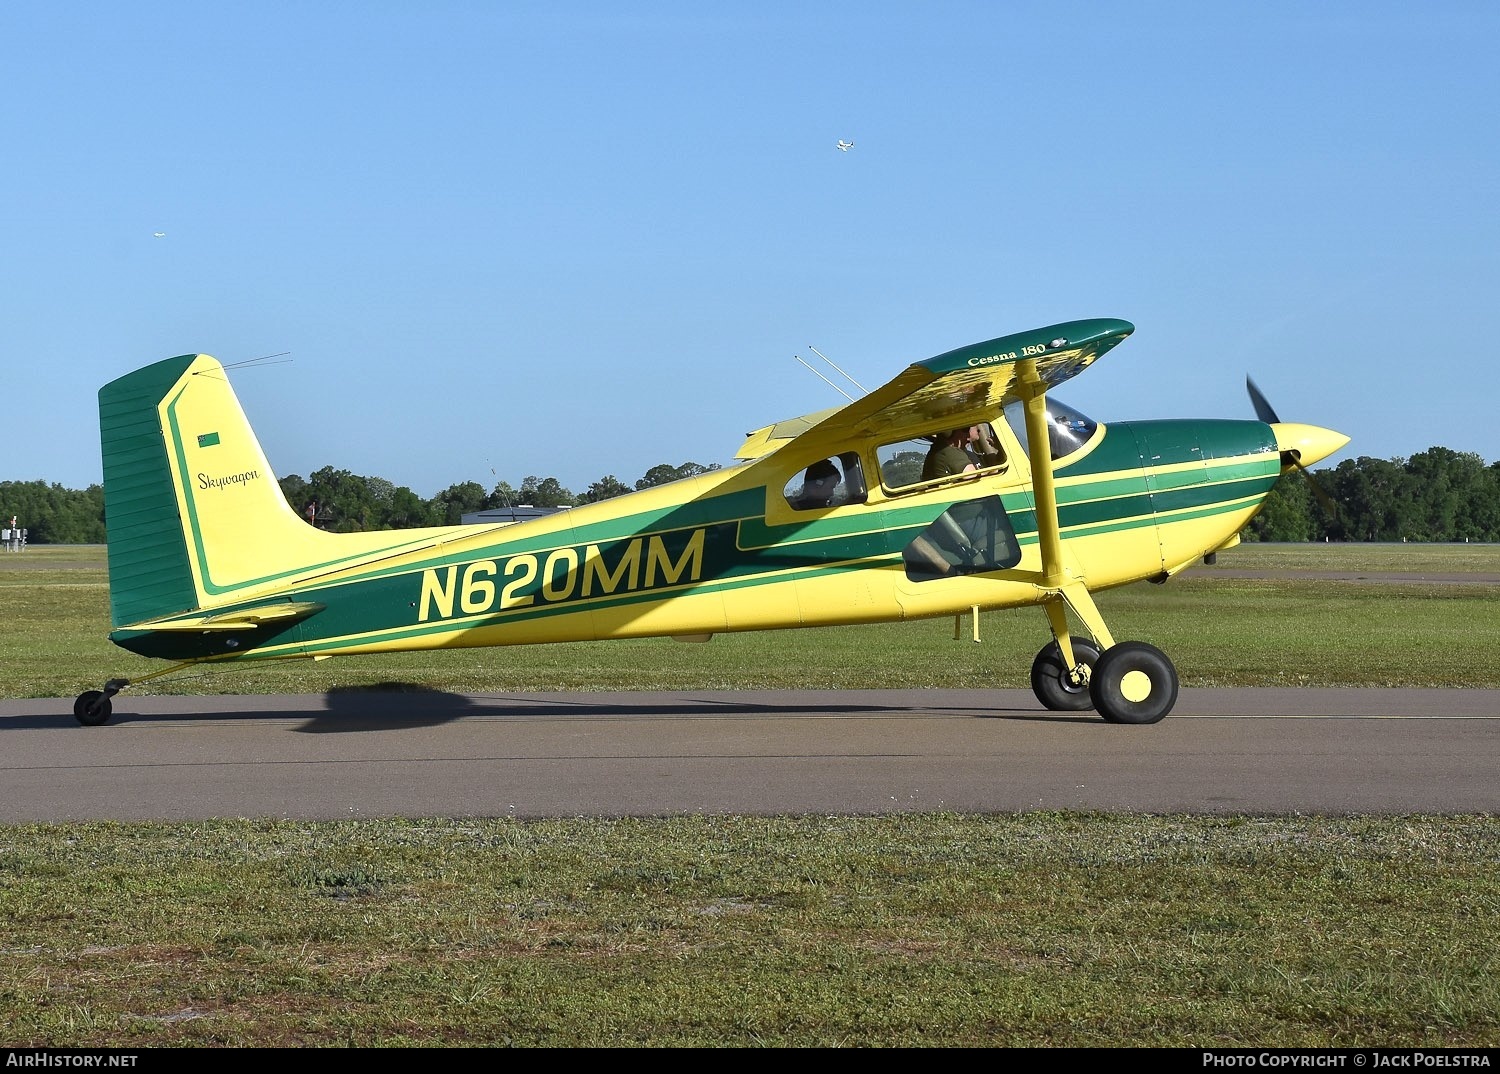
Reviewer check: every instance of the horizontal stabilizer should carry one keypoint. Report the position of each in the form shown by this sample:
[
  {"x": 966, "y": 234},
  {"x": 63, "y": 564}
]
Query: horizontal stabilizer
[{"x": 243, "y": 618}]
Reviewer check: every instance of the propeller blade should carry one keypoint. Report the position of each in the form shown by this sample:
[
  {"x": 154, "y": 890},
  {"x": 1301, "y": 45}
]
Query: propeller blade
[
  {"x": 1263, "y": 409},
  {"x": 1325, "y": 500}
]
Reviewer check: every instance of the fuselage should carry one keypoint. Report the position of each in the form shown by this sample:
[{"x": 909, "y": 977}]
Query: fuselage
[{"x": 724, "y": 552}]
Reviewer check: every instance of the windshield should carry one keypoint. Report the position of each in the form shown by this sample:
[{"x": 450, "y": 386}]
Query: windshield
[{"x": 1067, "y": 429}]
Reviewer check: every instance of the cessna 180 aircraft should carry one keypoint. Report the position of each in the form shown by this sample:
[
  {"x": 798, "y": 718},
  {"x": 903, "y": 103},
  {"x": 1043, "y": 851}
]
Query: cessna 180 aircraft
[{"x": 208, "y": 563}]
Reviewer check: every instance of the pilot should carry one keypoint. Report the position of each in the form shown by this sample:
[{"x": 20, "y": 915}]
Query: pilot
[
  {"x": 818, "y": 485},
  {"x": 983, "y": 448},
  {"x": 949, "y": 455}
]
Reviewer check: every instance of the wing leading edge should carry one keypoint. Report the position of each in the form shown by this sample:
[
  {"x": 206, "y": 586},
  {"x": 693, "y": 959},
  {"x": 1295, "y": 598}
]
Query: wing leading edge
[{"x": 943, "y": 390}]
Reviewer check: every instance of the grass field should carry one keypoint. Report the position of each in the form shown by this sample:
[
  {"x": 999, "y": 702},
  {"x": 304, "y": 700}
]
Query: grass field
[
  {"x": 926, "y": 930},
  {"x": 1301, "y": 631}
]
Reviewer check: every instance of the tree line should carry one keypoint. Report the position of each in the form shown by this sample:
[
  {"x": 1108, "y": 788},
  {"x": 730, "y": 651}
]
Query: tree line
[
  {"x": 1438, "y": 495},
  {"x": 345, "y": 502}
]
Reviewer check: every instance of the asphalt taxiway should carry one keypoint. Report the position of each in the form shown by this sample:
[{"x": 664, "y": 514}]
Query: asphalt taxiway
[{"x": 359, "y": 753}]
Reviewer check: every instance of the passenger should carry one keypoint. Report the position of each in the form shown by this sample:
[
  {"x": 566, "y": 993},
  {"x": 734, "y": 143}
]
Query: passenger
[
  {"x": 948, "y": 455},
  {"x": 818, "y": 485}
]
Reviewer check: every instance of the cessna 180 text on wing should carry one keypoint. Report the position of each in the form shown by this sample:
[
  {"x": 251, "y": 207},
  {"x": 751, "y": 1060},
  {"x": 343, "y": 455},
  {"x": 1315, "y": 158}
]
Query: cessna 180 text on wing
[{"x": 1057, "y": 507}]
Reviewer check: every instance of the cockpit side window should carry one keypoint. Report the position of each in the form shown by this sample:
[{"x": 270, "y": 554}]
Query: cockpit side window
[
  {"x": 1067, "y": 429},
  {"x": 903, "y": 463},
  {"x": 831, "y": 482}
]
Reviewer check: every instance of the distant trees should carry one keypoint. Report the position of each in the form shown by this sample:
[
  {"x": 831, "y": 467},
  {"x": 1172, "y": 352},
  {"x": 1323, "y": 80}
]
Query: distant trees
[
  {"x": 605, "y": 488},
  {"x": 1287, "y": 514},
  {"x": 664, "y": 474},
  {"x": 455, "y": 501},
  {"x": 1436, "y": 495},
  {"x": 903, "y": 468},
  {"x": 1373, "y": 500},
  {"x": 51, "y": 514},
  {"x": 347, "y": 502},
  {"x": 545, "y": 492}
]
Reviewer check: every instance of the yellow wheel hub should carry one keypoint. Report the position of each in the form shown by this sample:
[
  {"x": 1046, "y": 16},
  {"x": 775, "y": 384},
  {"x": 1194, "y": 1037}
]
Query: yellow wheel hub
[{"x": 1135, "y": 687}]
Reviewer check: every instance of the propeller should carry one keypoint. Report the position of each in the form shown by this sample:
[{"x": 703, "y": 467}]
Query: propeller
[
  {"x": 1266, "y": 413},
  {"x": 1263, "y": 409}
]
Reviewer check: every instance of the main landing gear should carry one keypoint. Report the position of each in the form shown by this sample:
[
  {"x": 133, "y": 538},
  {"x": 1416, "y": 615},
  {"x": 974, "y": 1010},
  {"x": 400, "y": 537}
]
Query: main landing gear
[
  {"x": 1133, "y": 683},
  {"x": 1058, "y": 688},
  {"x": 1130, "y": 682},
  {"x": 1127, "y": 683}
]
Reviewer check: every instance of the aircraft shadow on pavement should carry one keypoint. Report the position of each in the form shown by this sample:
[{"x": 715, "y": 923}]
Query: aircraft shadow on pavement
[
  {"x": 401, "y": 705},
  {"x": 387, "y": 706},
  {"x": 394, "y": 706},
  {"x": 405, "y": 705}
]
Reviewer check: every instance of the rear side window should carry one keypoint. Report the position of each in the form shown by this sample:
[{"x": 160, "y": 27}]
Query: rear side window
[{"x": 832, "y": 482}]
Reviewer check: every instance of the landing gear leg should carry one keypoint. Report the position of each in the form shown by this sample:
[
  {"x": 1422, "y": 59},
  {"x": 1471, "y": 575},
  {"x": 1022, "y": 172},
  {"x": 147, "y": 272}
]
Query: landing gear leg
[
  {"x": 1061, "y": 671},
  {"x": 1058, "y": 687}
]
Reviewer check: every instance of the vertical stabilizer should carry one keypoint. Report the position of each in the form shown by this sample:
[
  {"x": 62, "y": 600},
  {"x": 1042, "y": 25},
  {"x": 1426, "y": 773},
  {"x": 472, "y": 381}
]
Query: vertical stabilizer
[{"x": 194, "y": 514}]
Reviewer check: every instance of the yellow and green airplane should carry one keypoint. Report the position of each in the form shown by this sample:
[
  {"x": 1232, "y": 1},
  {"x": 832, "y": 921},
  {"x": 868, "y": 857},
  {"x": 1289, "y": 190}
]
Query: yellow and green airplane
[{"x": 208, "y": 563}]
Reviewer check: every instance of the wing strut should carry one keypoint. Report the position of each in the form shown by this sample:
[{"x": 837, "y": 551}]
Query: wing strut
[
  {"x": 1034, "y": 396},
  {"x": 1063, "y": 590}
]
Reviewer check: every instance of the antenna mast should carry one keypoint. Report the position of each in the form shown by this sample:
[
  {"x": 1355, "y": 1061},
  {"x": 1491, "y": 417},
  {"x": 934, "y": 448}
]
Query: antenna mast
[
  {"x": 862, "y": 389},
  {"x": 824, "y": 379}
]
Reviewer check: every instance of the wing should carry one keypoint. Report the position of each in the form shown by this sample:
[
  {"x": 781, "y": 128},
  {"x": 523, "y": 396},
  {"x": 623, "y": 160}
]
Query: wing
[{"x": 942, "y": 392}]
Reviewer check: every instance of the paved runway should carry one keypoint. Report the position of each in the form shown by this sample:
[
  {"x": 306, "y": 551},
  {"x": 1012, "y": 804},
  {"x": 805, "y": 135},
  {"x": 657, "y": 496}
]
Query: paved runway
[{"x": 372, "y": 754}]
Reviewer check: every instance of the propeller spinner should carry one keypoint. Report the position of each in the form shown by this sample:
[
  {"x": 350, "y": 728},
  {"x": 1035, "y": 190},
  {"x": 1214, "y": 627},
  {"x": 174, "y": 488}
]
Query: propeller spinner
[{"x": 1300, "y": 445}]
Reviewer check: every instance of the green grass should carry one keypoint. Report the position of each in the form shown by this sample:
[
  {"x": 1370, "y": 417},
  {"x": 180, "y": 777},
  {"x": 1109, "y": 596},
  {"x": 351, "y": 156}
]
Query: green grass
[
  {"x": 1300, "y": 631},
  {"x": 1375, "y": 559},
  {"x": 915, "y": 930},
  {"x": 928, "y": 930}
]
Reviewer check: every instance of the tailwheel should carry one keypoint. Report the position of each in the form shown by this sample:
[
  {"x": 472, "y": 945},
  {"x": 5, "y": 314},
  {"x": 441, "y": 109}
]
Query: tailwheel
[
  {"x": 1054, "y": 687},
  {"x": 92, "y": 708},
  {"x": 1133, "y": 682}
]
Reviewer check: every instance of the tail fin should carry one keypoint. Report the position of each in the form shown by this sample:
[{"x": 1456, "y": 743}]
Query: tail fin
[{"x": 194, "y": 515}]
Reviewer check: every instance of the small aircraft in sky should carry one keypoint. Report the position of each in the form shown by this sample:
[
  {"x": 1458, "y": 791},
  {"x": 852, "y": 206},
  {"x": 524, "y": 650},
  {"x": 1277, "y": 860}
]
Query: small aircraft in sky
[
  {"x": 845, "y": 146},
  {"x": 209, "y": 564}
]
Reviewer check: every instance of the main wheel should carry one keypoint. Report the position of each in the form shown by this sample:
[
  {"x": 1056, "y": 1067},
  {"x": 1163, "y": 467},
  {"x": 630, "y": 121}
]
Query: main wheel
[
  {"x": 92, "y": 708},
  {"x": 1052, "y": 684},
  {"x": 1133, "y": 683}
]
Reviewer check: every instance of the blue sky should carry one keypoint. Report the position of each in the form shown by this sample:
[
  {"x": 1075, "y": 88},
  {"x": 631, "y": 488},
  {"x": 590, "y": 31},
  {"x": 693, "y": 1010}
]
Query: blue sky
[{"x": 578, "y": 239}]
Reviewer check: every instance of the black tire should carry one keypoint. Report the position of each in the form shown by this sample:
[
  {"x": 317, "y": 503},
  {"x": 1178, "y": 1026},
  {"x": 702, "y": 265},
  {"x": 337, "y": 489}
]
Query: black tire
[
  {"x": 1133, "y": 683},
  {"x": 92, "y": 708},
  {"x": 1049, "y": 677}
]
